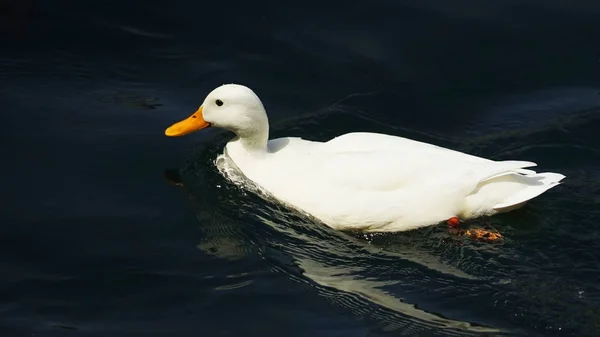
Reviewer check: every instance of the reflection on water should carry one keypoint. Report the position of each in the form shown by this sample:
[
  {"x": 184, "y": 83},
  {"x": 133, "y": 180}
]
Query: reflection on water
[
  {"x": 322, "y": 257},
  {"x": 412, "y": 282}
]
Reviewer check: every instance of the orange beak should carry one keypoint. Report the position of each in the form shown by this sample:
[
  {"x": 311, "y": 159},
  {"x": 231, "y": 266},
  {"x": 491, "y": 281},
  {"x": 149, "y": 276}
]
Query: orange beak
[{"x": 191, "y": 124}]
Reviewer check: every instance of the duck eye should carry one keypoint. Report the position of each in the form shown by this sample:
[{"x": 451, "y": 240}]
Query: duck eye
[{"x": 219, "y": 102}]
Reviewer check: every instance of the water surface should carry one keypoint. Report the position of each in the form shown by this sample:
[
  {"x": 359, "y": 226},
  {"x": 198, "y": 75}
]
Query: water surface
[{"x": 110, "y": 228}]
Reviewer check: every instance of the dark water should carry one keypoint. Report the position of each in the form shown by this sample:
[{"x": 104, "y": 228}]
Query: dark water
[{"x": 96, "y": 241}]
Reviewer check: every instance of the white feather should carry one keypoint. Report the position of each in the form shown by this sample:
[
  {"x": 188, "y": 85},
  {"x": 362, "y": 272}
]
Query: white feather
[{"x": 368, "y": 181}]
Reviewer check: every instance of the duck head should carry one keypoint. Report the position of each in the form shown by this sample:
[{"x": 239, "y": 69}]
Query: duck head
[{"x": 231, "y": 107}]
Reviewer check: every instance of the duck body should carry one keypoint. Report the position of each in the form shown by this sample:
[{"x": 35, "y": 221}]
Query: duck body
[
  {"x": 380, "y": 183},
  {"x": 371, "y": 182}
]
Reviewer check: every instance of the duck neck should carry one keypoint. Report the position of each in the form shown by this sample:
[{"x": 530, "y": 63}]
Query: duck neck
[{"x": 256, "y": 141}]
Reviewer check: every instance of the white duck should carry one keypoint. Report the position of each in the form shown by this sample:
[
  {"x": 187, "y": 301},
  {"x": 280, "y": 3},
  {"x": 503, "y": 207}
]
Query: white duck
[{"x": 364, "y": 181}]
